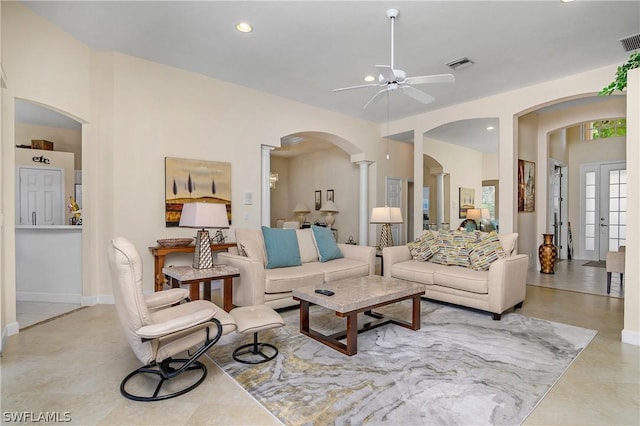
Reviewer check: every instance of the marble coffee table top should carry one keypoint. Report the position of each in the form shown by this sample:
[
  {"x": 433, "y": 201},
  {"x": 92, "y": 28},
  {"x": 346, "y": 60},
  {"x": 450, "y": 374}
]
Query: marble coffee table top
[
  {"x": 357, "y": 293},
  {"x": 188, "y": 273}
]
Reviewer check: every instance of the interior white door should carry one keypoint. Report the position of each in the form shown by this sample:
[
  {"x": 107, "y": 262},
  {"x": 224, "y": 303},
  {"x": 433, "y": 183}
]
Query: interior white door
[
  {"x": 394, "y": 199},
  {"x": 40, "y": 191}
]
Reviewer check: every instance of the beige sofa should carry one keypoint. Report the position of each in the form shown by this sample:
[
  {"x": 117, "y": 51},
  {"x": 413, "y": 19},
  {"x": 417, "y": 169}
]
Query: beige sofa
[
  {"x": 496, "y": 290},
  {"x": 258, "y": 285}
]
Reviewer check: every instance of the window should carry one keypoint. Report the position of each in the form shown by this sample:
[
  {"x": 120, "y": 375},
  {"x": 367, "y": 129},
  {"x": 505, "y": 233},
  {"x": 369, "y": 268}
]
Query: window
[
  {"x": 590, "y": 211},
  {"x": 617, "y": 209},
  {"x": 604, "y": 129}
]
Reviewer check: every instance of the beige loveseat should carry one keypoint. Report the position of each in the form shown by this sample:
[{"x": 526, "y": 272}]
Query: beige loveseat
[
  {"x": 259, "y": 285},
  {"x": 501, "y": 287}
]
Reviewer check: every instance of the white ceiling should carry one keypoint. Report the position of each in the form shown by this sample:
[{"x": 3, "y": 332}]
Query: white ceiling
[{"x": 303, "y": 49}]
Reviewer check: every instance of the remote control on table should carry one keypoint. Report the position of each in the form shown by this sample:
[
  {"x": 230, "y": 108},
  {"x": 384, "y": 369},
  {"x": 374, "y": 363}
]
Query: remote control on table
[{"x": 325, "y": 292}]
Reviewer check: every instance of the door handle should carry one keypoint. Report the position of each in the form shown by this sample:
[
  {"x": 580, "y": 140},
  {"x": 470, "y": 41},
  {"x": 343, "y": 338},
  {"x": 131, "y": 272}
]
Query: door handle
[{"x": 603, "y": 224}]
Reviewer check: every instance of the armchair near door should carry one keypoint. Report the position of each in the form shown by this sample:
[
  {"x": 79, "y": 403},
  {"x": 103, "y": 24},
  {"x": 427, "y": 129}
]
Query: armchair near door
[
  {"x": 157, "y": 333},
  {"x": 615, "y": 263}
]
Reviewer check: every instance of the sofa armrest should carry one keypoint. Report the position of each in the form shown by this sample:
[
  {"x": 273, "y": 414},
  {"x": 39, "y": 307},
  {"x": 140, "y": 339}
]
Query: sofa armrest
[
  {"x": 395, "y": 254},
  {"x": 365, "y": 254},
  {"x": 249, "y": 288},
  {"x": 507, "y": 283}
]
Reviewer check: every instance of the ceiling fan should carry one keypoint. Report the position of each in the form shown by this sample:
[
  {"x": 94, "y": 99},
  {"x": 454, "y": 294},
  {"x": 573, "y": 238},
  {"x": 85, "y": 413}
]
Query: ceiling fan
[{"x": 391, "y": 79}]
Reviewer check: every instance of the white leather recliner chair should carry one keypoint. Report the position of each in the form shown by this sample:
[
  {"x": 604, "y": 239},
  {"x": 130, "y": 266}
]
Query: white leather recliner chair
[{"x": 157, "y": 336}]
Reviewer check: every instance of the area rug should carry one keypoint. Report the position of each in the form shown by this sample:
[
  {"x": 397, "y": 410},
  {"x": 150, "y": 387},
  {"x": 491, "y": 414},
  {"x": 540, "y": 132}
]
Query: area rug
[
  {"x": 461, "y": 367},
  {"x": 596, "y": 263}
]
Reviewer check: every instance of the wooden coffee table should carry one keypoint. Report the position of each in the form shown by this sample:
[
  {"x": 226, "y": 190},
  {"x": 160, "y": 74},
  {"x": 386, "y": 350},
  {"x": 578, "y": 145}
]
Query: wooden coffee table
[{"x": 354, "y": 296}]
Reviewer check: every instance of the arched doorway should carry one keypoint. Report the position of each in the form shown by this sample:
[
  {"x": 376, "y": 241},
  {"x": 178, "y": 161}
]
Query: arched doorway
[{"x": 48, "y": 251}]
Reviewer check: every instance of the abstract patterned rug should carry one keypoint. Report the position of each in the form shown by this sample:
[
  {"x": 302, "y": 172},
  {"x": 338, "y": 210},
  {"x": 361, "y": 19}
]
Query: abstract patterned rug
[{"x": 461, "y": 367}]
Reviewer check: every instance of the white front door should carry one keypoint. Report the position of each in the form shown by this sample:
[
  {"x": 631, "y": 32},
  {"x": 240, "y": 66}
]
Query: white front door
[
  {"x": 40, "y": 196},
  {"x": 604, "y": 212}
]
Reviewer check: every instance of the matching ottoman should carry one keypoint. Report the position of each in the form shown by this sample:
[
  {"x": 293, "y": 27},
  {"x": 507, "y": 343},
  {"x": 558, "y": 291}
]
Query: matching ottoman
[{"x": 252, "y": 319}]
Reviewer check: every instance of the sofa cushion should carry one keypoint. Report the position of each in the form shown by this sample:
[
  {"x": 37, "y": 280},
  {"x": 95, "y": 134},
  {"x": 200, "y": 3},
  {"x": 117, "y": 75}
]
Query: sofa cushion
[
  {"x": 340, "y": 269},
  {"x": 465, "y": 279},
  {"x": 250, "y": 244},
  {"x": 484, "y": 251},
  {"x": 308, "y": 251},
  {"x": 508, "y": 242},
  {"x": 452, "y": 247},
  {"x": 283, "y": 280},
  {"x": 423, "y": 247},
  {"x": 326, "y": 244},
  {"x": 414, "y": 270},
  {"x": 282, "y": 247}
]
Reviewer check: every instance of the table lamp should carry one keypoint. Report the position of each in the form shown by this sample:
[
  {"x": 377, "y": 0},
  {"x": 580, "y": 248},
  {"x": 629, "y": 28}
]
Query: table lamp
[
  {"x": 203, "y": 215},
  {"x": 475, "y": 215},
  {"x": 330, "y": 208},
  {"x": 386, "y": 216},
  {"x": 301, "y": 209}
]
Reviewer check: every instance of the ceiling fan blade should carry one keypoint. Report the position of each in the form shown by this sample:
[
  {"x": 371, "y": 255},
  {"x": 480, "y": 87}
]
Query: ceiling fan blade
[
  {"x": 386, "y": 72},
  {"x": 418, "y": 95},
  {"x": 375, "y": 97},
  {"x": 355, "y": 87},
  {"x": 435, "y": 78}
]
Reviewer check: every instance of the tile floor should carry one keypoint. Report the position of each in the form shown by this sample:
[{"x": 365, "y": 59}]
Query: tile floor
[
  {"x": 75, "y": 363},
  {"x": 30, "y": 313}
]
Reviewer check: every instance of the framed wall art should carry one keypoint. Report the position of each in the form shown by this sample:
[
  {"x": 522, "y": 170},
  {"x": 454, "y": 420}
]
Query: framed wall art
[
  {"x": 526, "y": 186},
  {"x": 190, "y": 181},
  {"x": 466, "y": 201},
  {"x": 330, "y": 195},
  {"x": 318, "y": 200}
]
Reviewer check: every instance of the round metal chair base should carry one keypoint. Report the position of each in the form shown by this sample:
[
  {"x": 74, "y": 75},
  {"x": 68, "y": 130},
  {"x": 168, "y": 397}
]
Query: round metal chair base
[
  {"x": 154, "y": 370},
  {"x": 253, "y": 353}
]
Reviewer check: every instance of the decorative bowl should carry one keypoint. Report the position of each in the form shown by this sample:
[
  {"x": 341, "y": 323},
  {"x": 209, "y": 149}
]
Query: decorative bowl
[{"x": 175, "y": 242}]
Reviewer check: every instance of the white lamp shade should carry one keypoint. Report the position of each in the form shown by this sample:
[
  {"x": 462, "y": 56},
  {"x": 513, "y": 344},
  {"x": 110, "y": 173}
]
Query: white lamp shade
[
  {"x": 204, "y": 215},
  {"x": 329, "y": 206},
  {"x": 386, "y": 215},
  {"x": 485, "y": 214},
  {"x": 474, "y": 214},
  {"x": 301, "y": 208}
]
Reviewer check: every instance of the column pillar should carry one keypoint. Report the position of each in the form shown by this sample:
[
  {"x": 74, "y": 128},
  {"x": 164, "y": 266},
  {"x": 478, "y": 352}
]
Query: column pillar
[
  {"x": 363, "y": 216},
  {"x": 265, "y": 205},
  {"x": 440, "y": 198}
]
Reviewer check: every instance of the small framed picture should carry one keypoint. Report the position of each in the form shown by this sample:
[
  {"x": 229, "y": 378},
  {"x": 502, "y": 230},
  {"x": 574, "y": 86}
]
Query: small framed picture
[
  {"x": 330, "y": 195},
  {"x": 318, "y": 200}
]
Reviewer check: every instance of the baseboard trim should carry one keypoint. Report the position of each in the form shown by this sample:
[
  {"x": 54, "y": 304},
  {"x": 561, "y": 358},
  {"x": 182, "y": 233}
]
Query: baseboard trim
[
  {"x": 102, "y": 299},
  {"x": 32, "y": 296},
  {"x": 11, "y": 329},
  {"x": 631, "y": 337}
]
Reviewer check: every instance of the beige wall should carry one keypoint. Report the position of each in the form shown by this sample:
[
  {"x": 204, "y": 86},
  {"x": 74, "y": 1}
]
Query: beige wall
[
  {"x": 133, "y": 119},
  {"x": 464, "y": 167},
  {"x": 527, "y": 149}
]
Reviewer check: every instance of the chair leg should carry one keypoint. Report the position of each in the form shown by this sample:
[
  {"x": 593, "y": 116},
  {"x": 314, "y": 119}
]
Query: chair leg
[
  {"x": 253, "y": 349},
  {"x": 608, "y": 282}
]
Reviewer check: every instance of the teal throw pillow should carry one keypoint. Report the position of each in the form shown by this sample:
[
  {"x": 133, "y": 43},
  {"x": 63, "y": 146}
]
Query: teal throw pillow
[
  {"x": 326, "y": 244},
  {"x": 281, "y": 246}
]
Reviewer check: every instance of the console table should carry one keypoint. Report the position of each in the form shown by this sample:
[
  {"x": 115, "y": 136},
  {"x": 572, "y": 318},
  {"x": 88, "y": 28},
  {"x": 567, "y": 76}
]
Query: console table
[{"x": 159, "y": 253}]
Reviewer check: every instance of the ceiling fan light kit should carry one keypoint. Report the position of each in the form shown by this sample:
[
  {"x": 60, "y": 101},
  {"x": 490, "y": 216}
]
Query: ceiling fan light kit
[{"x": 391, "y": 79}]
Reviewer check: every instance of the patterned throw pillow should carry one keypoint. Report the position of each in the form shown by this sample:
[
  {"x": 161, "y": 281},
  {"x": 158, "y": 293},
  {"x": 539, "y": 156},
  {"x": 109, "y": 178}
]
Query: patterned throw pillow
[
  {"x": 484, "y": 251},
  {"x": 452, "y": 247},
  {"x": 423, "y": 247}
]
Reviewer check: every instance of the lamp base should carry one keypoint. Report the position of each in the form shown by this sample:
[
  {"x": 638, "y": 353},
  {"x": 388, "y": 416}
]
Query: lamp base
[
  {"x": 203, "y": 258},
  {"x": 386, "y": 240}
]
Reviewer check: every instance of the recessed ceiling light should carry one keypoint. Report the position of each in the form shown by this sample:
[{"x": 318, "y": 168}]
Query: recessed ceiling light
[
  {"x": 369, "y": 78},
  {"x": 566, "y": 1},
  {"x": 490, "y": 127},
  {"x": 244, "y": 27}
]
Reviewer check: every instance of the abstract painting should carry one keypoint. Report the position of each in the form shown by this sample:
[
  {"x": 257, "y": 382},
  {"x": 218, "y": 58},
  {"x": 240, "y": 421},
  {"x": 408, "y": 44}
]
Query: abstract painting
[{"x": 190, "y": 181}]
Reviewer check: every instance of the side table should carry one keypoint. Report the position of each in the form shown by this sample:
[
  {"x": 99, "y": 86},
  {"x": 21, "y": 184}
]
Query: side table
[
  {"x": 160, "y": 252},
  {"x": 179, "y": 275}
]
